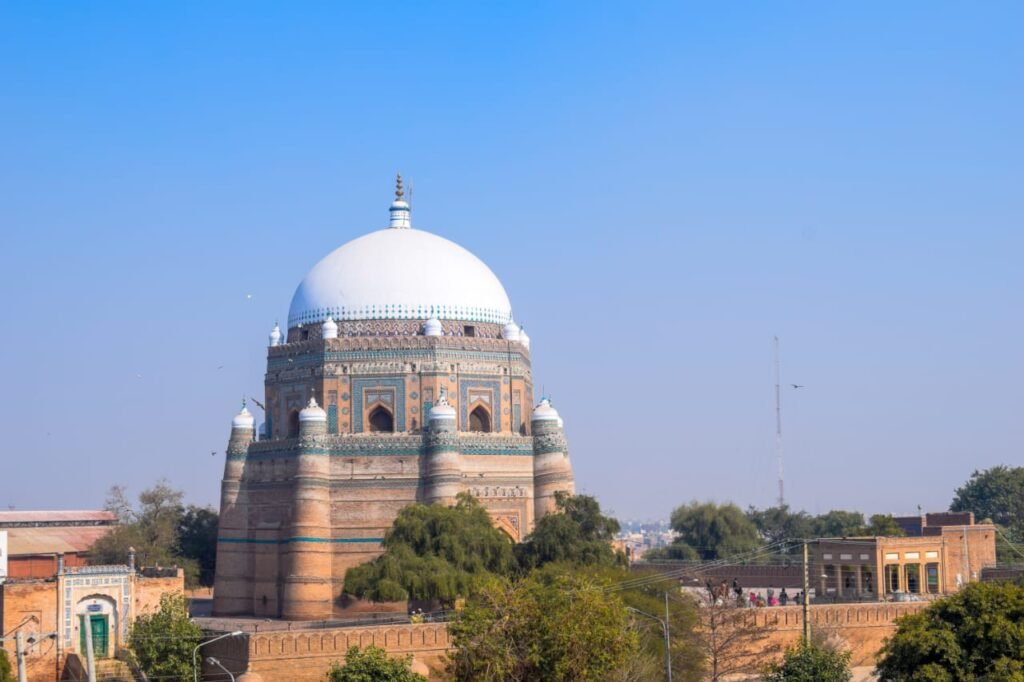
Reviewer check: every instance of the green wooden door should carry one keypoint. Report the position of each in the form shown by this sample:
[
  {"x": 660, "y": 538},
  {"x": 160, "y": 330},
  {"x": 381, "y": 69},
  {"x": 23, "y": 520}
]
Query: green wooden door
[{"x": 100, "y": 636}]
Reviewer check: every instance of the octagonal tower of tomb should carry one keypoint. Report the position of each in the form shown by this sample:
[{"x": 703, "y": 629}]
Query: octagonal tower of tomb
[{"x": 402, "y": 377}]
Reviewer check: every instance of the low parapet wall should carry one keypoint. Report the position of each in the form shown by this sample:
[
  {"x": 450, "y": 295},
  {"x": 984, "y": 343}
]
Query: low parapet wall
[
  {"x": 306, "y": 655},
  {"x": 859, "y": 628}
]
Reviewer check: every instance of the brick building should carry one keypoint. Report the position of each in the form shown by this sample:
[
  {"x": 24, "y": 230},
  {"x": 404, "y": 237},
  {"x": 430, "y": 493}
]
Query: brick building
[
  {"x": 30, "y": 541},
  {"x": 53, "y": 613},
  {"x": 940, "y": 553},
  {"x": 402, "y": 378}
]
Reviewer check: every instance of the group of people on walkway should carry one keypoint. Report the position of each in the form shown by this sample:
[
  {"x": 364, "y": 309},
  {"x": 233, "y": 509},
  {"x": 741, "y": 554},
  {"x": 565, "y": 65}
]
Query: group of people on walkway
[{"x": 721, "y": 592}]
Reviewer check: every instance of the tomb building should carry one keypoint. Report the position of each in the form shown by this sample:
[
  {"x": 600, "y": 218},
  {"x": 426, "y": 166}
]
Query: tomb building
[{"x": 402, "y": 377}]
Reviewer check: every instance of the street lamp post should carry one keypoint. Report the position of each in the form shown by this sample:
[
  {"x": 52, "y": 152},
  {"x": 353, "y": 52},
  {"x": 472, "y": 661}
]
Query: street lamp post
[
  {"x": 664, "y": 628},
  {"x": 195, "y": 668},
  {"x": 213, "y": 661}
]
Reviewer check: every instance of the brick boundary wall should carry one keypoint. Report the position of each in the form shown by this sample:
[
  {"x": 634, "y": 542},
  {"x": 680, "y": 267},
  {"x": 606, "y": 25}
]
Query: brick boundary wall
[{"x": 306, "y": 655}]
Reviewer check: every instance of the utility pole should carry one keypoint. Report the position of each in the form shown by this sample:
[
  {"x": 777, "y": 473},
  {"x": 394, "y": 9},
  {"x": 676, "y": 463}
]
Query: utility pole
[
  {"x": 19, "y": 655},
  {"x": 806, "y": 609},
  {"x": 668, "y": 643},
  {"x": 778, "y": 424}
]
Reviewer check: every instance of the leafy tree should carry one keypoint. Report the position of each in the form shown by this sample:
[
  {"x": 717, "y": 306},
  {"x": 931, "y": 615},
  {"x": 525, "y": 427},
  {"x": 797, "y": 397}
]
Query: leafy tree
[
  {"x": 996, "y": 494},
  {"x": 373, "y": 664},
  {"x": 975, "y": 634},
  {"x": 807, "y": 662},
  {"x": 434, "y": 552},
  {"x": 551, "y": 625},
  {"x": 779, "y": 524},
  {"x": 152, "y": 529},
  {"x": 578, "y": 534},
  {"x": 883, "y": 524},
  {"x": 197, "y": 540},
  {"x": 839, "y": 524},
  {"x": 6, "y": 674},
  {"x": 162, "y": 641},
  {"x": 714, "y": 531}
]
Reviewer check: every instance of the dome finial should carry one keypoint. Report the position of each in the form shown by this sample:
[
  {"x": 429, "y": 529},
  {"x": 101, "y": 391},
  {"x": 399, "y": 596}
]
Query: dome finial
[{"x": 400, "y": 213}]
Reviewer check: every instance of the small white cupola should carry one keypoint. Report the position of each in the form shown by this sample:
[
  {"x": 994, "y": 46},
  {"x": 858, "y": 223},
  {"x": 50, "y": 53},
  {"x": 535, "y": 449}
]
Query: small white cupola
[
  {"x": 545, "y": 412},
  {"x": 510, "y": 331},
  {"x": 329, "y": 329},
  {"x": 432, "y": 327},
  {"x": 524, "y": 339},
  {"x": 442, "y": 410},
  {"x": 244, "y": 419},
  {"x": 312, "y": 412},
  {"x": 275, "y": 335},
  {"x": 401, "y": 213}
]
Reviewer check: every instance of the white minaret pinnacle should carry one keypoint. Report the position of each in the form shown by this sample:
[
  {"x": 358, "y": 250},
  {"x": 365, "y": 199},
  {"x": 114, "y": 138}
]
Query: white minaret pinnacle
[
  {"x": 275, "y": 335},
  {"x": 401, "y": 214}
]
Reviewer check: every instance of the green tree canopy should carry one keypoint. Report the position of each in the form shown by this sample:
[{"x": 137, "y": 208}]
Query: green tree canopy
[
  {"x": 975, "y": 634},
  {"x": 579, "y": 533},
  {"x": 6, "y": 674},
  {"x": 434, "y": 552},
  {"x": 807, "y": 662},
  {"x": 996, "y": 494},
  {"x": 780, "y": 524},
  {"x": 839, "y": 524},
  {"x": 162, "y": 642},
  {"x": 883, "y": 525},
  {"x": 714, "y": 531},
  {"x": 163, "y": 532},
  {"x": 551, "y": 625},
  {"x": 373, "y": 664}
]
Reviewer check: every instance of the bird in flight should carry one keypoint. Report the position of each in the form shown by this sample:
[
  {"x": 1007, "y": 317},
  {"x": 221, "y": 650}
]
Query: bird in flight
[
  {"x": 798, "y": 386},
  {"x": 213, "y": 453}
]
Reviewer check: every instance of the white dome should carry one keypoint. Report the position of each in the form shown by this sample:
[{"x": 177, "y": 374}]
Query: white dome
[
  {"x": 442, "y": 410},
  {"x": 329, "y": 329},
  {"x": 524, "y": 339},
  {"x": 400, "y": 274},
  {"x": 432, "y": 327},
  {"x": 243, "y": 420},
  {"x": 510, "y": 331},
  {"x": 312, "y": 412},
  {"x": 544, "y": 412}
]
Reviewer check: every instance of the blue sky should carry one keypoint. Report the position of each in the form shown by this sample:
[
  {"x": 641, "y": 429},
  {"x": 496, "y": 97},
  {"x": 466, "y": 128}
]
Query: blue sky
[{"x": 662, "y": 188}]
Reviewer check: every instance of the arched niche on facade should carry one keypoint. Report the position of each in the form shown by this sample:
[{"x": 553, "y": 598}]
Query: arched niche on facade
[
  {"x": 98, "y": 612},
  {"x": 480, "y": 419},
  {"x": 381, "y": 420},
  {"x": 293, "y": 424}
]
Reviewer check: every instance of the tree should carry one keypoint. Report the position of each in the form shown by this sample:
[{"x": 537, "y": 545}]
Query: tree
[
  {"x": 197, "y": 540},
  {"x": 883, "y": 525},
  {"x": 839, "y": 524},
  {"x": 162, "y": 642},
  {"x": 579, "y": 533},
  {"x": 975, "y": 634},
  {"x": 779, "y": 524},
  {"x": 373, "y": 664},
  {"x": 714, "y": 531},
  {"x": 996, "y": 494},
  {"x": 434, "y": 552},
  {"x": 155, "y": 530},
  {"x": 6, "y": 674},
  {"x": 732, "y": 641},
  {"x": 807, "y": 662},
  {"x": 551, "y": 625}
]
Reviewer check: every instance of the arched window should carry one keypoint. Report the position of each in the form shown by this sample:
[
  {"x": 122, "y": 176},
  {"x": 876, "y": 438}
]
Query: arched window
[
  {"x": 293, "y": 424},
  {"x": 381, "y": 421},
  {"x": 479, "y": 420}
]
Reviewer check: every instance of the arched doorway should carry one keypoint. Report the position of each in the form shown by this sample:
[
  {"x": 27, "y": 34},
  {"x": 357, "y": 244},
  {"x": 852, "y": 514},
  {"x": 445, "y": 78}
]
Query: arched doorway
[
  {"x": 381, "y": 421},
  {"x": 479, "y": 419},
  {"x": 293, "y": 424}
]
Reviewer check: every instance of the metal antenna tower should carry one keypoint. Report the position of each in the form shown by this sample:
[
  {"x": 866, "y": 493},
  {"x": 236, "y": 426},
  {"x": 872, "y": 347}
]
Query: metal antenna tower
[{"x": 778, "y": 425}]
